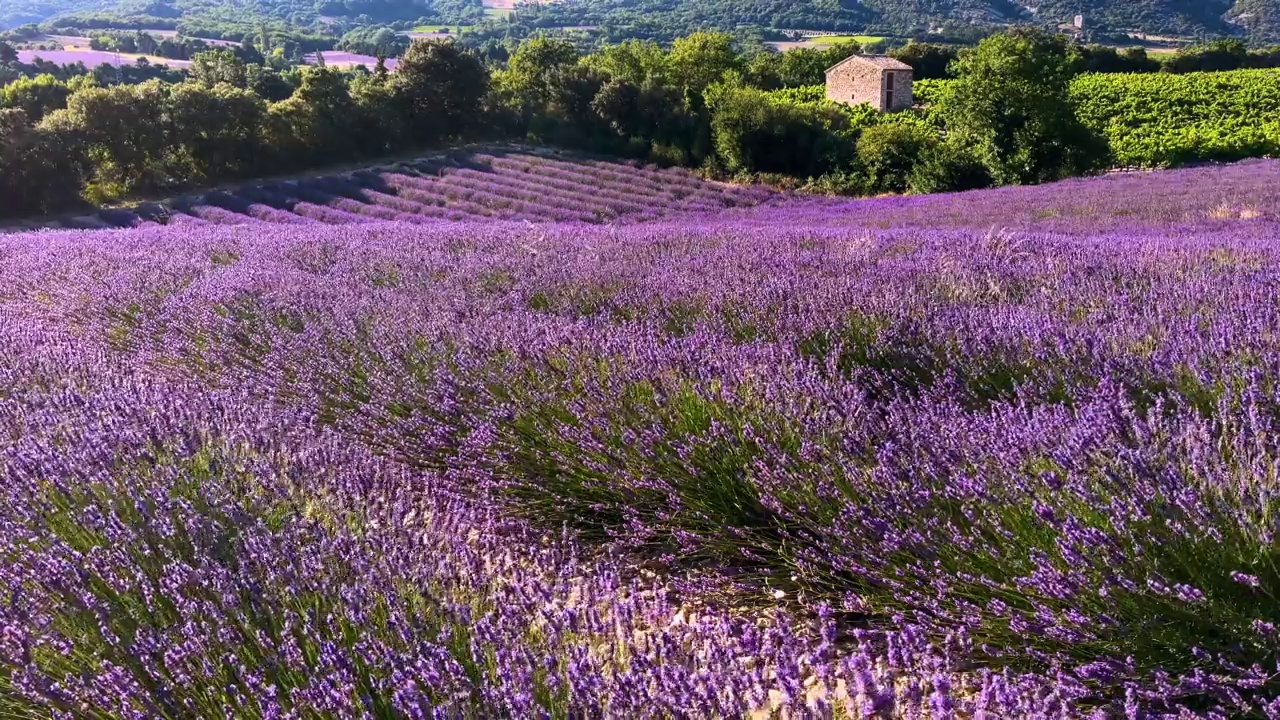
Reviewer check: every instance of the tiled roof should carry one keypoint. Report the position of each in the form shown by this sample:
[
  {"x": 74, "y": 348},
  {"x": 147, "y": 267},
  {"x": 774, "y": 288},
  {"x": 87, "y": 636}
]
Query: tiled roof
[{"x": 884, "y": 62}]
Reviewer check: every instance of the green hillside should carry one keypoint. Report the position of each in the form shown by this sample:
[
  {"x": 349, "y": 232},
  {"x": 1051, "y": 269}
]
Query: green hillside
[{"x": 1258, "y": 20}]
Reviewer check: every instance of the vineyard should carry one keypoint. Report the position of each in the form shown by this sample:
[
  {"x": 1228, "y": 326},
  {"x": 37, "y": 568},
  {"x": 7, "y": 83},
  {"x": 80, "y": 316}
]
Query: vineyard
[
  {"x": 1161, "y": 119},
  {"x": 497, "y": 184},
  {"x": 515, "y": 435}
]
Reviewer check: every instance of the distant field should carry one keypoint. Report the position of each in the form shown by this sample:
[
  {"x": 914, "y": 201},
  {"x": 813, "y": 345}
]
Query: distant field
[
  {"x": 94, "y": 58},
  {"x": 823, "y": 41},
  {"x": 834, "y": 39},
  {"x": 339, "y": 59},
  {"x": 440, "y": 29}
]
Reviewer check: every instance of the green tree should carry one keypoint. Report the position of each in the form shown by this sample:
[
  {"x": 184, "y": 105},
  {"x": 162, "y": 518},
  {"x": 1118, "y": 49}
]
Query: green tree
[
  {"x": 702, "y": 59},
  {"x": 7, "y": 54},
  {"x": 121, "y": 131},
  {"x": 36, "y": 96},
  {"x": 1209, "y": 57},
  {"x": 634, "y": 61},
  {"x": 1010, "y": 106},
  {"x": 214, "y": 133},
  {"x": 887, "y": 153},
  {"x": 267, "y": 83},
  {"x": 532, "y": 66},
  {"x": 795, "y": 68},
  {"x": 441, "y": 88},
  {"x": 947, "y": 167},
  {"x": 212, "y": 67},
  {"x": 929, "y": 61},
  {"x": 752, "y": 132},
  {"x": 384, "y": 126},
  {"x": 38, "y": 174},
  {"x": 317, "y": 124}
]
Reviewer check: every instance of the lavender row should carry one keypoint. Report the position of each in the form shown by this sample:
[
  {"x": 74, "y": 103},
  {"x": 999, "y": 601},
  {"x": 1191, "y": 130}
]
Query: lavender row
[{"x": 187, "y": 548}]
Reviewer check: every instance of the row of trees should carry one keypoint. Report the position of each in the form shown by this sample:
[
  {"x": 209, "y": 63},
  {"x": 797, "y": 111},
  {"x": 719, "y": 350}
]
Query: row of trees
[{"x": 131, "y": 140}]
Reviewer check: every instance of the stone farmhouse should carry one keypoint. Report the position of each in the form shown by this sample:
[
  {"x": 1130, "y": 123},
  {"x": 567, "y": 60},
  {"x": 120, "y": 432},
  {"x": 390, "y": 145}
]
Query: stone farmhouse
[{"x": 880, "y": 80}]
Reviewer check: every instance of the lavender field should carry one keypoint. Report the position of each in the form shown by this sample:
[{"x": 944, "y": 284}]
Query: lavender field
[
  {"x": 1006, "y": 454},
  {"x": 498, "y": 184}
]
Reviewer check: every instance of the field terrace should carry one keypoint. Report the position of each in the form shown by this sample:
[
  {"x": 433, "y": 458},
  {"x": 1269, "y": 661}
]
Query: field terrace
[
  {"x": 496, "y": 184},
  {"x": 808, "y": 458}
]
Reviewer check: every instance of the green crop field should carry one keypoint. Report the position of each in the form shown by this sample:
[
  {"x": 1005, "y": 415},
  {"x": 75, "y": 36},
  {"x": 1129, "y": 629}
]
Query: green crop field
[{"x": 834, "y": 39}]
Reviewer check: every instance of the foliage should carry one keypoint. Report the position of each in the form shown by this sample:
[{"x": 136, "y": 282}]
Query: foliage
[
  {"x": 377, "y": 41},
  {"x": 35, "y": 171},
  {"x": 753, "y": 132},
  {"x": 442, "y": 87},
  {"x": 796, "y": 68},
  {"x": 1153, "y": 120},
  {"x": 1106, "y": 59},
  {"x": 947, "y": 167},
  {"x": 929, "y": 60},
  {"x": 702, "y": 59},
  {"x": 1209, "y": 57},
  {"x": 36, "y": 97},
  {"x": 888, "y": 153},
  {"x": 667, "y": 19},
  {"x": 1010, "y": 104}
]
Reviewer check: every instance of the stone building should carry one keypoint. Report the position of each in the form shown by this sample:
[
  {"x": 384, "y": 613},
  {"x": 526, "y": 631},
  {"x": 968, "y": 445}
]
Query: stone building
[{"x": 880, "y": 80}]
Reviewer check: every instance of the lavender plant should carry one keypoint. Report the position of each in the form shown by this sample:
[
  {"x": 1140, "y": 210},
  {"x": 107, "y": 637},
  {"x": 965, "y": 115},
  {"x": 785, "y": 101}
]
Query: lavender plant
[{"x": 777, "y": 460}]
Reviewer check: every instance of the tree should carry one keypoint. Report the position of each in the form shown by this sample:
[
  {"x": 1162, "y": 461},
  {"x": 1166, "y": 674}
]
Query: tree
[
  {"x": 36, "y": 96},
  {"x": 928, "y": 60},
  {"x": 121, "y": 129},
  {"x": 212, "y": 67},
  {"x": 634, "y": 61},
  {"x": 888, "y": 152},
  {"x": 1106, "y": 59},
  {"x": 947, "y": 167},
  {"x": 702, "y": 59},
  {"x": 1209, "y": 57},
  {"x": 753, "y": 132},
  {"x": 440, "y": 87},
  {"x": 383, "y": 126},
  {"x": 1009, "y": 105},
  {"x": 37, "y": 174},
  {"x": 532, "y": 65},
  {"x": 214, "y": 133},
  {"x": 7, "y": 54},
  {"x": 267, "y": 83}
]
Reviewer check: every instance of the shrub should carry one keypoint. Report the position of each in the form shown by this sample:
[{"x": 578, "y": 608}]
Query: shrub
[
  {"x": 947, "y": 167},
  {"x": 888, "y": 153},
  {"x": 752, "y": 132}
]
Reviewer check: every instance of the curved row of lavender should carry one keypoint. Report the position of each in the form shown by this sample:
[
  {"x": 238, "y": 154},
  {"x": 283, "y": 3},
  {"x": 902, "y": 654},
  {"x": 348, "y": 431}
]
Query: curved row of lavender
[
  {"x": 498, "y": 184},
  {"x": 688, "y": 468}
]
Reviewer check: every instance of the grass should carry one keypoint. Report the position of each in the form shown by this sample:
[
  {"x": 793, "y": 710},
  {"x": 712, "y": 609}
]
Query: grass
[
  {"x": 453, "y": 29},
  {"x": 496, "y": 13},
  {"x": 834, "y": 39}
]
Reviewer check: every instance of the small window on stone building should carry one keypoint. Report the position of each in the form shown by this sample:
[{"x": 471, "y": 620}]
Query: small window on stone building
[{"x": 888, "y": 90}]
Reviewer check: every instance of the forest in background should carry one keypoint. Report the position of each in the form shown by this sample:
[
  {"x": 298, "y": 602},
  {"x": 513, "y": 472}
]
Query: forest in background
[{"x": 611, "y": 21}]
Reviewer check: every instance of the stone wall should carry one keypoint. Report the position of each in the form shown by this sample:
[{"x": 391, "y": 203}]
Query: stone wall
[{"x": 855, "y": 83}]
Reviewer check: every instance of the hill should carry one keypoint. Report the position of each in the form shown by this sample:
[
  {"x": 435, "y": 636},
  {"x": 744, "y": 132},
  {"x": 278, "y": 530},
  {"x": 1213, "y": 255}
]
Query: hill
[
  {"x": 650, "y": 18},
  {"x": 621, "y": 19}
]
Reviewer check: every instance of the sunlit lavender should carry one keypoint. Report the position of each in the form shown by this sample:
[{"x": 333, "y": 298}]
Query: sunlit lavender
[{"x": 681, "y": 450}]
